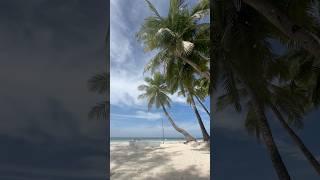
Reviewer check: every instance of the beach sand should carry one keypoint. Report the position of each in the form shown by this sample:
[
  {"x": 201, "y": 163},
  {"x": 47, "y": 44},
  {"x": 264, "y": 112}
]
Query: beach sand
[{"x": 169, "y": 161}]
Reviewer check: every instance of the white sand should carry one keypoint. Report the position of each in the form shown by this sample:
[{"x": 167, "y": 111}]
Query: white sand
[{"x": 169, "y": 161}]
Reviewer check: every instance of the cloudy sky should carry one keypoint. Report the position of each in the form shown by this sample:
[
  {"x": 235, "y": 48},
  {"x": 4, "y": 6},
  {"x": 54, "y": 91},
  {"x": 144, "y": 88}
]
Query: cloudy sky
[
  {"x": 237, "y": 152},
  {"x": 48, "y": 51},
  {"x": 236, "y": 155},
  {"x": 129, "y": 116},
  {"x": 239, "y": 155}
]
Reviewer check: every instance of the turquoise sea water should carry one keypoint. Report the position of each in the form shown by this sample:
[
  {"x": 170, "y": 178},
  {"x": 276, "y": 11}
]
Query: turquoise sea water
[{"x": 126, "y": 139}]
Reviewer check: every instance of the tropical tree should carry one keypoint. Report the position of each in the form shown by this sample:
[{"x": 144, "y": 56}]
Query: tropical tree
[
  {"x": 180, "y": 36},
  {"x": 180, "y": 77},
  {"x": 190, "y": 100},
  {"x": 98, "y": 84},
  {"x": 297, "y": 140},
  {"x": 240, "y": 52},
  {"x": 155, "y": 91},
  {"x": 275, "y": 21},
  {"x": 255, "y": 94},
  {"x": 283, "y": 102},
  {"x": 304, "y": 75},
  {"x": 290, "y": 19},
  {"x": 201, "y": 91}
]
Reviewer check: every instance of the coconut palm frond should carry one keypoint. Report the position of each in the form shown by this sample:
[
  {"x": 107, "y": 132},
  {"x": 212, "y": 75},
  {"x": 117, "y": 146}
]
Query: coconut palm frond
[
  {"x": 155, "y": 91},
  {"x": 153, "y": 9},
  {"x": 200, "y": 6},
  {"x": 176, "y": 37},
  {"x": 314, "y": 11},
  {"x": 156, "y": 62},
  {"x": 231, "y": 89},
  {"x": 200, "y": 14},
  {"x": 98, "y": 111},
  {"x": 98, "y": 83},
  {"x": 252, "y": 124}
]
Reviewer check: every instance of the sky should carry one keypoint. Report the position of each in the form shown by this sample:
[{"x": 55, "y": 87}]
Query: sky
[
  {"x": 130, "y": 116},
  {"x": 237, "y": 151},
  {"x": 48, "y": 51},
  {"x": 240, "y": 153},
  {"x": 236, "y": 154}
]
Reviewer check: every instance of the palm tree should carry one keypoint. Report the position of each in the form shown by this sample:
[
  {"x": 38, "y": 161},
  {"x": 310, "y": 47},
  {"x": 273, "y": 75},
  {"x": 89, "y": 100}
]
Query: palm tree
[
  {"x": 201, "y": 91},
  {"x": 304, "y": 76},
  {"x": 190, "y": 100},
  {"x": 180, "y": 36},
  {"x": 291, "y": 103},
  {"x": 241, "y": 51},
  {"x": 98, "y": 84},
  {"x": 276, "y": 13},
  {"x": 297, "y": 140},
  {"x": 256, "y": 119},
  {"x": 181, "y": 77},
  {"x": 234, "y": 94},
  {"x": 202, "y": 105},
  {"x": 156, "y": 93}
]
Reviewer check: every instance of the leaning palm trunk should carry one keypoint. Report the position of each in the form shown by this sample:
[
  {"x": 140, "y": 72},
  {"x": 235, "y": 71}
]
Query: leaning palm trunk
[
  {"x": 308, "y": 40},
  {"x": 313, "y": 161},
  {"x": 186, "y": 135},
  {"x": 205, "y": 74},
  {"x": 205, "y": 134},
  {"x": 203, "y": 106},
  {"x": 276, "y": 159}
]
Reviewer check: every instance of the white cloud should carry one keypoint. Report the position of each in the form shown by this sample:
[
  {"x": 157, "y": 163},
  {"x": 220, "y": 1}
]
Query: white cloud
[
  {"x": 127, "y": 56},
  {"x": 138, "y": 115},
  {"x": 148, "y": 115},
  {"x": 124, "y": 88},
  {"x": 126, "y": 68},
  {"x": 178, "y": 99}
]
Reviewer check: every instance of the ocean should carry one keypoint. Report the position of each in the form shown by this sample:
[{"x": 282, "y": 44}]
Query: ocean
[{"x": 151, "y": 139}]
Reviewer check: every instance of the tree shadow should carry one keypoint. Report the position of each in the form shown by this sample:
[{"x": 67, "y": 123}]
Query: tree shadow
[
  {"x": 141, "y": 162},
  {"x": 191, "y": 173}
]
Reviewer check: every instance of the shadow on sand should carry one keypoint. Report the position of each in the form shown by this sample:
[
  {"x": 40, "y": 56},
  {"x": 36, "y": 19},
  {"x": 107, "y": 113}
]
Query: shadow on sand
[{"x": 137, "y": 165}]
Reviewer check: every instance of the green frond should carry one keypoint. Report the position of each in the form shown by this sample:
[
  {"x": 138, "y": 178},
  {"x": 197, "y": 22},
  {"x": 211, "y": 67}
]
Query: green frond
[
  {"x": 98, "y": 83},
  {"x": 153, "y": 9},
  {"x": 252, "y": 123},
  {"x": 155, "y": 91},
  {"x": 98, "y": 111},
  {"x": 231, "y": 88}
]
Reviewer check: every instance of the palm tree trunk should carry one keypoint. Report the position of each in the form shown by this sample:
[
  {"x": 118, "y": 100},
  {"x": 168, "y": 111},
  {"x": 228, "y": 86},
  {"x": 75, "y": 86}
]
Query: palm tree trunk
[
  {"x": 186, "y": 135},
  {"x": 313, "y": 161},
  {"x": 203, "y": 106},
  {"x": 196, "y": 67},
  {"x": 276, "y": 159},
  {"x": 205, "y": 134},
  {"x": 308, "y": 40}
]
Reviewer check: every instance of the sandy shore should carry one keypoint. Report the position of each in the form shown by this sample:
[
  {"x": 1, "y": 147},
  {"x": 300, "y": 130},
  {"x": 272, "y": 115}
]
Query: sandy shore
[{"x": 169, "y": 161}]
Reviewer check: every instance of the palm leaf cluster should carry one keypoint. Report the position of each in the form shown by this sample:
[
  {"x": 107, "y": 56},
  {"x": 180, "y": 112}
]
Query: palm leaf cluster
[
  {"x": 259, "y": 79},
  {"x": 180, "y": 40},
  {"x": 98, "y": 84},
  {"x": 262, "y": 55}
]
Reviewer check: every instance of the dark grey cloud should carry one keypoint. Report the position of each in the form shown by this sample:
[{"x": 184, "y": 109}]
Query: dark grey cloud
[{"x": 48, "y": 50}]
